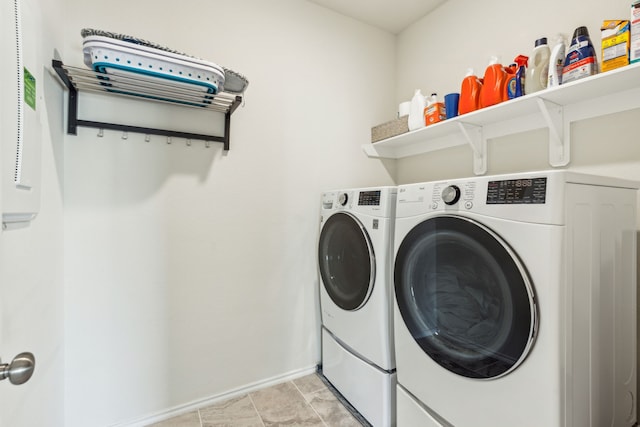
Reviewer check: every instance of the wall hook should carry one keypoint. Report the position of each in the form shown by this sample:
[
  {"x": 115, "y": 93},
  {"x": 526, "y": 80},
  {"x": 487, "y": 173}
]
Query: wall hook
[
  {"x": 100, "y": 133},
  {"x": 168, "y": 140},
  {"x": 125, "y": 135},
  {"x": 147, "y": 138},
  {"x": 188, "y": 143},
  {"x": 207, "y": 144}
]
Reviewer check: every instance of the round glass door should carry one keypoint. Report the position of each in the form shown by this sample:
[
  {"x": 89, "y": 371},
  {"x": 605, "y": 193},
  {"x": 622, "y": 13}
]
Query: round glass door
[
  {"x": 465, "y": 297},
  {"x": 346, "y": 261}
]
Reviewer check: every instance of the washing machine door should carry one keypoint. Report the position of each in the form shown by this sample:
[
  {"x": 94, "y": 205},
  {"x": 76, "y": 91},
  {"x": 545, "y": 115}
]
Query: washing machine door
[
  {"x": 465, "y": 297},
  {"x": 346, "y": 261}
]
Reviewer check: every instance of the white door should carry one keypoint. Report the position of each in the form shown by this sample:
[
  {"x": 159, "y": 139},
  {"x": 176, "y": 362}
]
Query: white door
[{"x": 15, "y": 305}]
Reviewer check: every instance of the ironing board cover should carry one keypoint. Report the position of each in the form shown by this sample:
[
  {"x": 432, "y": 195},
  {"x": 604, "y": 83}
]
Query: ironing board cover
[{"x": 234, "y": 81}]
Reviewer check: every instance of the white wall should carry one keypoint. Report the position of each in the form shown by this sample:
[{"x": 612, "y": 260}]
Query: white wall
[
  {"x": 190, "y": 272},
  {"x": 31, "y": 279},
  {"x": 435, "y": 52}
]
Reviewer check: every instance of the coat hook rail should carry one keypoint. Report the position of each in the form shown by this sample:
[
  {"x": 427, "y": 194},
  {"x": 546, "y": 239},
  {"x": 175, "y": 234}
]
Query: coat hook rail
[{"x": 67, "y": 76}]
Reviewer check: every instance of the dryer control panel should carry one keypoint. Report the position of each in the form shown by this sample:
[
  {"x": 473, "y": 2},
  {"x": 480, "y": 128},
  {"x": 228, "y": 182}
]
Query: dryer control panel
[{"x": 517, "y": 191}]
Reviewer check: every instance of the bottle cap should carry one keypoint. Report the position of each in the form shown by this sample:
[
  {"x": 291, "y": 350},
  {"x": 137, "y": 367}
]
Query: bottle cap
[
  {"x": 541, "y": 41},
  {"x": 581, "y": 31}
]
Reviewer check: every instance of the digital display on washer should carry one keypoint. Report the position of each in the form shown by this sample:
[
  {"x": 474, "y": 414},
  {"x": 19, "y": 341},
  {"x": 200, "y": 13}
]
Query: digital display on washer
[
  {"x": 517, "y": 191},
  {"x": 369, "y": 198}
]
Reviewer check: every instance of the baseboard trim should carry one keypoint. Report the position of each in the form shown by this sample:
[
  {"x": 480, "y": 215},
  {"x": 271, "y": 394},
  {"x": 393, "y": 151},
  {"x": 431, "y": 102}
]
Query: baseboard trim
[{"x": 200, "y": 403}]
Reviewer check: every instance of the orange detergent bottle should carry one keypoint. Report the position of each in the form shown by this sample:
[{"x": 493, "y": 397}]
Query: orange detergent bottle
[
  {"x": 434, "y": 112},
  {"x": 509, "y": 87},
  {"x": 494, "y": 87},
  {"x": 469, "y": 93}
]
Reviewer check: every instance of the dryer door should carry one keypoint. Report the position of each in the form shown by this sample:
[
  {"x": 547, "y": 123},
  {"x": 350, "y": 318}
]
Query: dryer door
[
  {"x": 346, "y": 261},
  {"x": 465, "y": 297}
]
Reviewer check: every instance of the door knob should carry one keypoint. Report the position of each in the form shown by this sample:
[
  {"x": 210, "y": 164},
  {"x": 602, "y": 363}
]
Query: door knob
[{"x": 19, "y": 370}]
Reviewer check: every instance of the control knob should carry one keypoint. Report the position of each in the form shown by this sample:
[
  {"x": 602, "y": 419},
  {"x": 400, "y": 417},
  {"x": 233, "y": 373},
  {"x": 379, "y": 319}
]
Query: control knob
[
  {"x": 451, "y": 194},
  {"x": 343, "y": 198}
]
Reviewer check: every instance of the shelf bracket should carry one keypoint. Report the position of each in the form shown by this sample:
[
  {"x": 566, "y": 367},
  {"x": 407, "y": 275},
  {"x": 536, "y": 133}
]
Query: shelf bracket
[
  {"x": 474, "y": 137},
  {"x": 559, "y": 142}
]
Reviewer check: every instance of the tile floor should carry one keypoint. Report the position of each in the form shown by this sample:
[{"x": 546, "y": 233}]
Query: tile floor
[{"x": 305, "y": 401}]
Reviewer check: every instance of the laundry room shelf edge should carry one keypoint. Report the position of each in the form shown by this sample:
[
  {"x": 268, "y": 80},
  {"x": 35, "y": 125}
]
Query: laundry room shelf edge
[{"x": 554, "y": 108}]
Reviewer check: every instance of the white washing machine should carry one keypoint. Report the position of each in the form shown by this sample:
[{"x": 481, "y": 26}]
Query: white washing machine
[
  {"x": 355, "y": 264},
  {"x": 515, "y": 301}
]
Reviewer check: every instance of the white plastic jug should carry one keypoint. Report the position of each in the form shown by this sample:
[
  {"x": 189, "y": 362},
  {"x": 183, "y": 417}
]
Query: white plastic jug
[
  {"x": 538, "y": 71},
  {"x": 416, "y": 113}
]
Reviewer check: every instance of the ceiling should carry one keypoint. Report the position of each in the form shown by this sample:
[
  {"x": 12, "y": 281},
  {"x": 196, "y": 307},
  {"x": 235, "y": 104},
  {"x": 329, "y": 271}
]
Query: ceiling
[{"x": 391, "y": 15}]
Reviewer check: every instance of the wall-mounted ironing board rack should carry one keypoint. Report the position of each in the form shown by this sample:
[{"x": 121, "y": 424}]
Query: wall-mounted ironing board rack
[{"x": 125, "y": 85}]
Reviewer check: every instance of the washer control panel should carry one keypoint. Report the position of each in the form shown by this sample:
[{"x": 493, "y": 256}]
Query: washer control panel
[
  {"x": 525, "y": 196},
  {"x": 369, "y": 198},
  {"x": 379, "y": 201}
]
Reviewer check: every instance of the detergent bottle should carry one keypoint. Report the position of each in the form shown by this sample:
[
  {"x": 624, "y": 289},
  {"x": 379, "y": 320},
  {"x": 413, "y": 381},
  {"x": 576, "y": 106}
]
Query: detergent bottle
[
  {"x": 538, "y": 71},
  {"x": 469, "y": 93},
  {"x": 416, "y": 111},
  {"x": 556, "y": 62},
  {"x": 581, "y": 58},
  {"x": 510, "y": 87},
  {"x": 434, "y": 112},
  {"x": 515, "y": 87},
  {"x": 494, "y": 83}
]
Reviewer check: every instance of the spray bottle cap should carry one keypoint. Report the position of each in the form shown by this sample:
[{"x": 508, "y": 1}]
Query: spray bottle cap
[{"x": 522, "y": 60}]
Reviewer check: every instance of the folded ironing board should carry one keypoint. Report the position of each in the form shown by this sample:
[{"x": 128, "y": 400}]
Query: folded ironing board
[{"x": 120, "y": 57}]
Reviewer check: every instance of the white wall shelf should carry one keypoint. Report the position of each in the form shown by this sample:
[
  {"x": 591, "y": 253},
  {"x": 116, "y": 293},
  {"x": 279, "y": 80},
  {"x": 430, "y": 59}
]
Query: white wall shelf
[{"x": 555, "y": 109}]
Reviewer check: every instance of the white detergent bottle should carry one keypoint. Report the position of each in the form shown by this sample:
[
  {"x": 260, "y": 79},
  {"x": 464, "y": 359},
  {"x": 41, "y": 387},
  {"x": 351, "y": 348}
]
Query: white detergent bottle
[
  {"x": 416, "y": 111},
  {"x": 556, "y": 61},
  {"x": 538, "y": 71}
]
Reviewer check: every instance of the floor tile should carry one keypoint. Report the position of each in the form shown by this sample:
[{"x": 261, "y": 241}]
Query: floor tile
[
  {"x": 191, "y": 419},
  {"x": 236, "y": 412},
  {"x": 332, "y": 412},
  {"x": 303, "y": 402},
  {"x": 309, "y": 384},
  {"x": 283, "y": 405}
]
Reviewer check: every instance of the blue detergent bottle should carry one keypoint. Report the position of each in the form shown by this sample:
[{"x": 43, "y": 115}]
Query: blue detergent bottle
[
  {"x": 581, "y": 60},
  {"x": 521, "y": 73}
]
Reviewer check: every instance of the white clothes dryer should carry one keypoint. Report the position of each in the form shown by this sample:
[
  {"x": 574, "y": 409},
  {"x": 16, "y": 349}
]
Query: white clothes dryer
[
  {"x": 355, "y": 264},
  {"x": 515, "y": 301}
]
